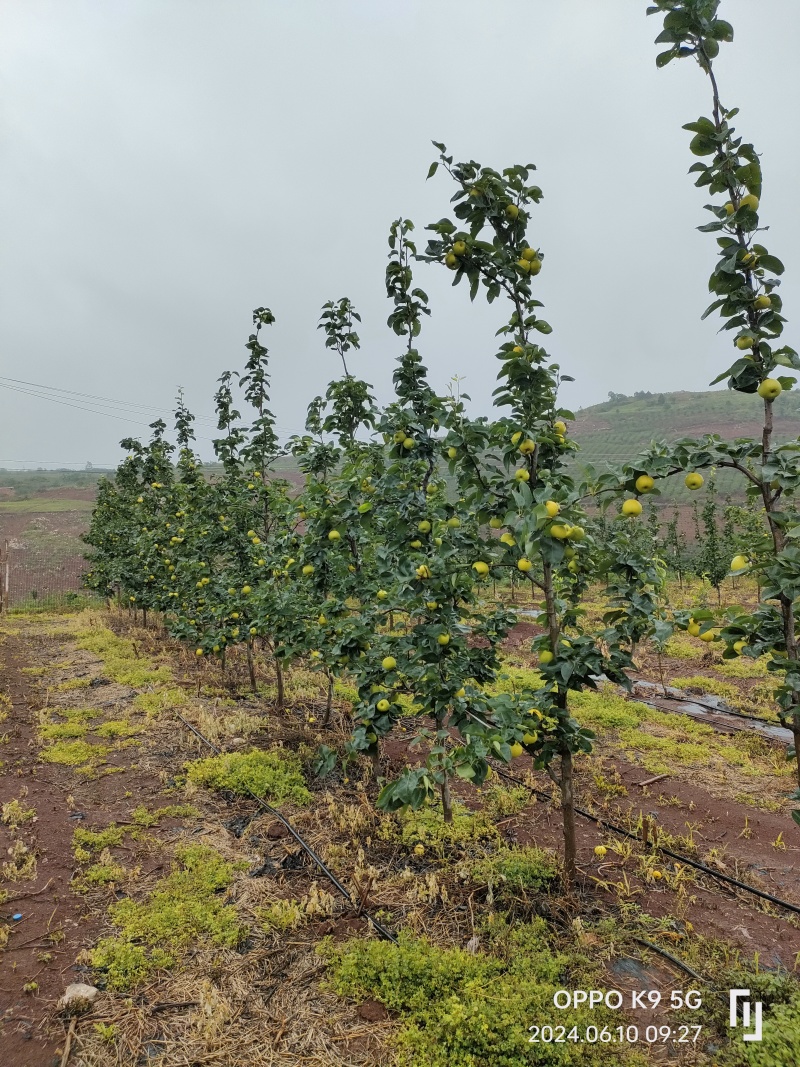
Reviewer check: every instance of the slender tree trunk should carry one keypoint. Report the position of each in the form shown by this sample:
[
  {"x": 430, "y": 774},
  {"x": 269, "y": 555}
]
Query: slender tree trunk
[
  {"x": 568, "y": 816},
  {"x": 251, "y": 667},
  {"x": 550, "y": 606},
  {"x": 329, "y": 701},
  {"x": 786, "y": 603},
  {"x": 447, "y": 804},
  {"x": 566, "y": 779},
  {"x": 281, "y": 695},
  {"x": 144, "y": 618}
]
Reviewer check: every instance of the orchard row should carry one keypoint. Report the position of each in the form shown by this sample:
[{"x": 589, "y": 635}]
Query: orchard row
[{"x": 378, "y": 570}]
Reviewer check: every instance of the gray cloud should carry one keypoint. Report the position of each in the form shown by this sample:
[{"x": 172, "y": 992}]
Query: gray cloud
[{"x": 168, "y": 167}]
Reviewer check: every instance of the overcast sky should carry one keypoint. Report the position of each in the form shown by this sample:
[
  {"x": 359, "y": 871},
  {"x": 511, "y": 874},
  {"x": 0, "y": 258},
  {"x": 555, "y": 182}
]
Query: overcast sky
[{"x": 168, "y": 165}]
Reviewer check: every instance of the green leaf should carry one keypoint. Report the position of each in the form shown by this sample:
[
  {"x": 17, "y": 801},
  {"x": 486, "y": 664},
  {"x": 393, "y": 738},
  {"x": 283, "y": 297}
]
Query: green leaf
[
  {"x": 433, "y": 168},
  {"x": 772, "y": 264},
  {"x": 712, "y": 307},
  {"x": 703, "y": 125},
  {"x": 666, "y": 57},
  {"x": 702, "y": 145}
]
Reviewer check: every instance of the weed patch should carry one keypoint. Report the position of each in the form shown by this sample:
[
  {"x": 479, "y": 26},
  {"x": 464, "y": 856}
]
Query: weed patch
[
  {"x": 142, "y": 817},
  {"x": 517, "y": 872},
  {"x": 427, "y": 827},
  {"x": 88, "y": 841},
  {"x": 115, "y": 728},
  {"x": 184, "y": 909},
  {"x": 274, "y": 775},
  {"x": 22, "y": 865},
  {"x": 73, "y": 753},
  {"x": 160, "y": 700},
  {"x": 458, "y": 1007},
  {"x": 725, "y": 690},
  {"x": 60, "y": 731},
  {"x": 13, "y": 814}
]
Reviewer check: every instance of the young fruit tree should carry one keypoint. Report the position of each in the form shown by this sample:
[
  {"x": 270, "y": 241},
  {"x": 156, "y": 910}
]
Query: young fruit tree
[
  {"x": 745, "y": 284},
  {"x": 515, "y": 477}
]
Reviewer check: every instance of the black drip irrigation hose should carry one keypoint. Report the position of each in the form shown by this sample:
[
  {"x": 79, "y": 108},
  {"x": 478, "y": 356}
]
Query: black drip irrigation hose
[
  {"x": 303, "y": 844},
  {"x": 604, "y": 824},
  {"x": 634, "y": 837}
]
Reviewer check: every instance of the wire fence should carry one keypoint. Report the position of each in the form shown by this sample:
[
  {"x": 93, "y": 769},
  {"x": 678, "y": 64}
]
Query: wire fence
[{"x": 36, "y": 580}]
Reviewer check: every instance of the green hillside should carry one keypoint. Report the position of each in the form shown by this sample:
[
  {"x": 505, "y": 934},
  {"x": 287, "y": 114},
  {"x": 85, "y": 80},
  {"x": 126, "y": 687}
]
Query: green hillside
[{"x": 620, "y": 428}]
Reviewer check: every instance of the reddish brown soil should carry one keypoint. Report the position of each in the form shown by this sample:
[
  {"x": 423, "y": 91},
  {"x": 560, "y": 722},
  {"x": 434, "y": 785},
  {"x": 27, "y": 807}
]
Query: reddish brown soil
[
  {"x": 713, "y": 909},
  {"x": 66, "y": 492},
  {"x": 30, "y": 1030}
]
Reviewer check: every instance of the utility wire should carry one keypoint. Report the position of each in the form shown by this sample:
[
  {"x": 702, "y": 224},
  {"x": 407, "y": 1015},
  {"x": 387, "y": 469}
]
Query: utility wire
[{"x": 93, "y": 409}]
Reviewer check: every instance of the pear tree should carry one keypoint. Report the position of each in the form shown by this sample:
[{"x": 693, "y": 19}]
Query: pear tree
[{"x": 745, "y": 285}]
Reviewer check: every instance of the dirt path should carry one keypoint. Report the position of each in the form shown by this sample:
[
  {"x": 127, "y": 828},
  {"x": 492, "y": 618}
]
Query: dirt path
[{"x": 56, "y": 922}]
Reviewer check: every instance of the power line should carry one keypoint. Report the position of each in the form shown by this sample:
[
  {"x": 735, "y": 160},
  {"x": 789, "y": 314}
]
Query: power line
[{"x": 94, "y": 410}]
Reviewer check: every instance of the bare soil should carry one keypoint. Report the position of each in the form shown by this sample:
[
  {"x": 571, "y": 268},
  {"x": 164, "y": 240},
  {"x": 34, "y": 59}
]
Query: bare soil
[{"x": 56, "y": 921}]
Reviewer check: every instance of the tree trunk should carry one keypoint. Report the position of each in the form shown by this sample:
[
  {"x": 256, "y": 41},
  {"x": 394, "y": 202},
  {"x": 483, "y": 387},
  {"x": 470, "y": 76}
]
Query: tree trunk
[
  {"x": 447, "y": 804},
  {"x": 251, "y": 667},
  {"x": 568, "y": 816},
  {"x": 144, "y": 618},
  {"x": 281, "y": 695},
  {"x": 329, "y": 701}
]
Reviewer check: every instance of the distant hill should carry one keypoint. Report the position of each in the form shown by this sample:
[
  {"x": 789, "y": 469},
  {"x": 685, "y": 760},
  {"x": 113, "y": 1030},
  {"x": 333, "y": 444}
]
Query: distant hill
[{"x": 620, "y": 428}]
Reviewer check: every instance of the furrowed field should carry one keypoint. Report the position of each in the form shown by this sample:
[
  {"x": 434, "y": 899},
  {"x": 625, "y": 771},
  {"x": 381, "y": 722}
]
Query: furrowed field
[{"x": 380, "y": 745}]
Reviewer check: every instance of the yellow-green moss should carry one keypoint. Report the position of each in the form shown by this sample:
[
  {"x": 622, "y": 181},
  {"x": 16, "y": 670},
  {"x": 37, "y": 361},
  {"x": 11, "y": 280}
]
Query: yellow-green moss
[
  {"x": 683, "y": 648},
  {"x": 517, "y": 872},
  {"x": 746, "y": 667},
  {"x": 97, "y": 840},
  {"x": 100, "y": 874},
  {"x": 120, "y": 662},
  {"x": 72, "y": 683},
  {"x": 160, "y": 700},
  {"x": 59, "y": 731},
  {"x": 78, "y": 714},
  {"x": 427, "y": 827},
  {"x": 514, "y": 679},
  {"x": 22, "y": 865},
  {"x": 186, "y": 908},
  {"x": 73, "y": 753},
  {"x": 274, "y": 775},
  {"x": 114, "y": 728},
  {"x": 473, "y": 1009},
  {"x": 142, "y": 817},
  {"x": 725, "y": 690},
  {"x": 501, "y": 801},
  {"x": 282, "y": 915}
]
